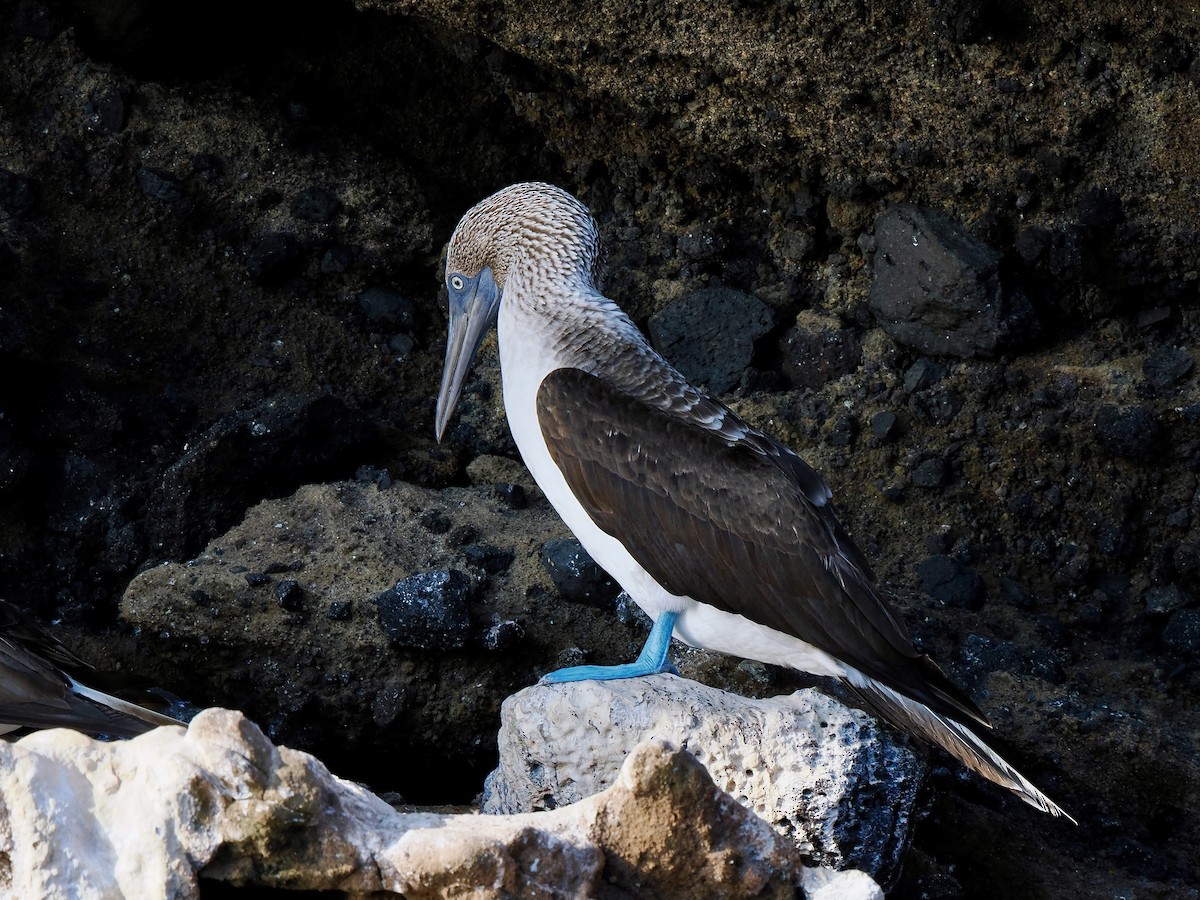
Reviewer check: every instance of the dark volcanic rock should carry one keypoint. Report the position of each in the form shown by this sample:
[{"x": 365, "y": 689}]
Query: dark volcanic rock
[
  {"x": 938, "y": 290},
  {"x": 883, "y": 424},
  {"x": 160, "y": 184},
  {"x": 1133, "y": 432},
  {"x": 709, "y": 335},
  {"x": 503, "y": 635},
  {"x": 812, "y": 359},
  {"x": 512, "y": 495},
  {"x": 388, "y": 310},
  {"x": 493, "y": 560},
  {"x": 290, "y": 595},
  {"x": 251, "y": 455},
  {"x": 1182, "y": 633},
  {"x": 576, "y": 574},
  {"x": 274, "y": 257},
  {"x": 948, "y": 581},
  {"x": 1166, "y": 366},
  {"x": 19, "y": 194},
  {"x": 428, "y": 611},
  {"x": 931, "y": 473},
  {"x": 316, "y": 205}
]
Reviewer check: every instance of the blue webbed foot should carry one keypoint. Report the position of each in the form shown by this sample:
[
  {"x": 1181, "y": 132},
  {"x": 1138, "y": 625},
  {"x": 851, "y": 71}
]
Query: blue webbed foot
[{"x": 651, "y": 661}]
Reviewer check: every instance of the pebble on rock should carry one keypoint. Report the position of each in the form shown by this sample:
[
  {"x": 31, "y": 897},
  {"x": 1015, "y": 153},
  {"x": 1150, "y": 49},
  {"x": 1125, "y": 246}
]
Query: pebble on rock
[
  {"x": 931, "y": 473},
  {"x": 290, "y": 595},
  {"x": 427, "y": 611},
  {"x": 883, "y": 425},
  {"x": 576, "y": 575}
]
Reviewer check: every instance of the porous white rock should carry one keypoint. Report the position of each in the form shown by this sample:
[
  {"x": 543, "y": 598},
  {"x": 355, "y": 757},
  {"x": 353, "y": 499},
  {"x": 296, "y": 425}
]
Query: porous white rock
[
  {"x": 822, "y": 773},
  {"x": 149, "y": 817}
]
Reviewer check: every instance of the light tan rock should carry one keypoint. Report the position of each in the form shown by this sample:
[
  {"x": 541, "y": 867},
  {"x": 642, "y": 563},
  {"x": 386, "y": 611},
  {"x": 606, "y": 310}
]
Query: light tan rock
[
  {"x": 838, "y": 787},
  {"x": 151, "y": 816}
]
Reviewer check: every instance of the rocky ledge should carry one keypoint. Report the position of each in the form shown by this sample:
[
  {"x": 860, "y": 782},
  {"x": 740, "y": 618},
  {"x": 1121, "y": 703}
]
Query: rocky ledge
[{"x": 156, "y": 815}]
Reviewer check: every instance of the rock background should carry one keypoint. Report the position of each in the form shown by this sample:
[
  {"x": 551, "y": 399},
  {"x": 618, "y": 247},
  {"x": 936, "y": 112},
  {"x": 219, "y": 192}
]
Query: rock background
[{"x": 219, "y": 242}]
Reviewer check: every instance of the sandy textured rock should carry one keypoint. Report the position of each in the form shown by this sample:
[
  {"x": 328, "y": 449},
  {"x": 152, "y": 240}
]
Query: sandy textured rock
[
  {"x": 839, "y": 788},
  {"x": 151, "y": 816},
  {"x": 342, "y": 545}
]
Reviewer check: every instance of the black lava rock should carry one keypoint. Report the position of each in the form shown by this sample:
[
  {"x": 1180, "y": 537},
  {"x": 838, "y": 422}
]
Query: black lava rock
[
  {"x": 709, "y": 335},
  {"x": 491, "y": 559},
  {"x": 257, "y": 579},
  {"x": 512, "y": 495},
  {"x": 1099, "y": 208},
  {"x": 160, "y": 184},
  {"x": 435, "y": 521},
  {"x": 208, "y": 166},
  {"x": 340, "y": 611},
  {"x": 19, "y": 194},
  {"x": 922, "y": 374},
  {"x": 812, "y": 359},
  {"x": 985, "y": 655},
  {"x": 948, "y": 581},
  {"x": 265, "y": 451},
  {"x": 427, "y": 611},
  {"x": 883, "y": 425},
  {"x": 387, "y": 310},
  {"x": 1166, "y": 366},
  {"x": 503, "y": 635},
  {"x": 1182, "y": 633},
  {"x": 274, "y": 257},
  {"x": 1133, "y": 432},
  {"x": 316, "y": 205},
  {"x": 290, "y": 595},
  {"x": 107, "y": 112},
  {"x": 1161, "y": 599},
  {"x": 843, "y": 431},
  {"x": 576, "y": 575},
  {"x": 937, "y": 289},
  {"x": 931, "y": 473},
  {"x": 337, "y": 259}
]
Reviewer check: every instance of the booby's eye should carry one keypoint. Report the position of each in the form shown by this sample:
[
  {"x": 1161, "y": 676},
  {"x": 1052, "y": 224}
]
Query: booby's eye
[{"x": 456, "y": 282}]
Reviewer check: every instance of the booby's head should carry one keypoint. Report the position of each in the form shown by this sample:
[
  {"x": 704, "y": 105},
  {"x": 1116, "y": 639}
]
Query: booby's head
[{"x": 532, "y": 232}]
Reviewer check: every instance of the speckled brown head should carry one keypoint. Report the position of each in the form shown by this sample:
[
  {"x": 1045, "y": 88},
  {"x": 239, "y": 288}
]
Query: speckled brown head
[
  {"x": 533, "y": 232},
  {"x": 532, "y": 226}
]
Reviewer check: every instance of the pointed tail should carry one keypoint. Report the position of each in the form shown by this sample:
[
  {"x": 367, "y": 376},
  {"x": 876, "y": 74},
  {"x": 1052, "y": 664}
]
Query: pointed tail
[{"x": 953, "y": 737}]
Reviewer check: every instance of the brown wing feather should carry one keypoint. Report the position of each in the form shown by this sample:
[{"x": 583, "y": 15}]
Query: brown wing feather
[{"x": 727, "y": 516}]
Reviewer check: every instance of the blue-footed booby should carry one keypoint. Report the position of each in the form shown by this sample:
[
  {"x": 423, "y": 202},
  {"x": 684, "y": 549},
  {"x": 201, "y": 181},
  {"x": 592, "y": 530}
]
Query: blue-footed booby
[
  {"x": 725, "y": 537},
  {"x": 37, "y": 692}
]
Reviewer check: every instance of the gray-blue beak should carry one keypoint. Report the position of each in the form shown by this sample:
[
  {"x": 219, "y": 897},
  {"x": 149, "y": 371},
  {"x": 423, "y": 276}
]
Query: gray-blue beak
[{"x": 472, "y": 311}]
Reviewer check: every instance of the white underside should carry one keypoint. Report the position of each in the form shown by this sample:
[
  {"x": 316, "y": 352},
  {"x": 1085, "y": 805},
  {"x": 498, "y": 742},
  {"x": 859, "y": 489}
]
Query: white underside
[{"x": 525, "y": 360}]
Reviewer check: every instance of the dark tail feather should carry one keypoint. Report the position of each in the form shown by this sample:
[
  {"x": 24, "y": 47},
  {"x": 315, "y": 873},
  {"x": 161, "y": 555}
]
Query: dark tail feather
[{"x": 953, "y": 737}]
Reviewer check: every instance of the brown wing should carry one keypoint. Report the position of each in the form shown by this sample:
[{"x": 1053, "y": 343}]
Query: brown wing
[
  {"x": 35, "y": 692},
  {"x": 719, "y": 512}
]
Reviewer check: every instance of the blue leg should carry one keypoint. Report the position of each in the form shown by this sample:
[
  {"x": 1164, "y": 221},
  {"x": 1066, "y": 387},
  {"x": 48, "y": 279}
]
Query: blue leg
[{"x": 653, "y": 659}]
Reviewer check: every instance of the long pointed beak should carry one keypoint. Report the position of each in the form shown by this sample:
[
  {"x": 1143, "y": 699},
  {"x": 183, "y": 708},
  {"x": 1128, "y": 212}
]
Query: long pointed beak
[{"x": 472, "y": 312}]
